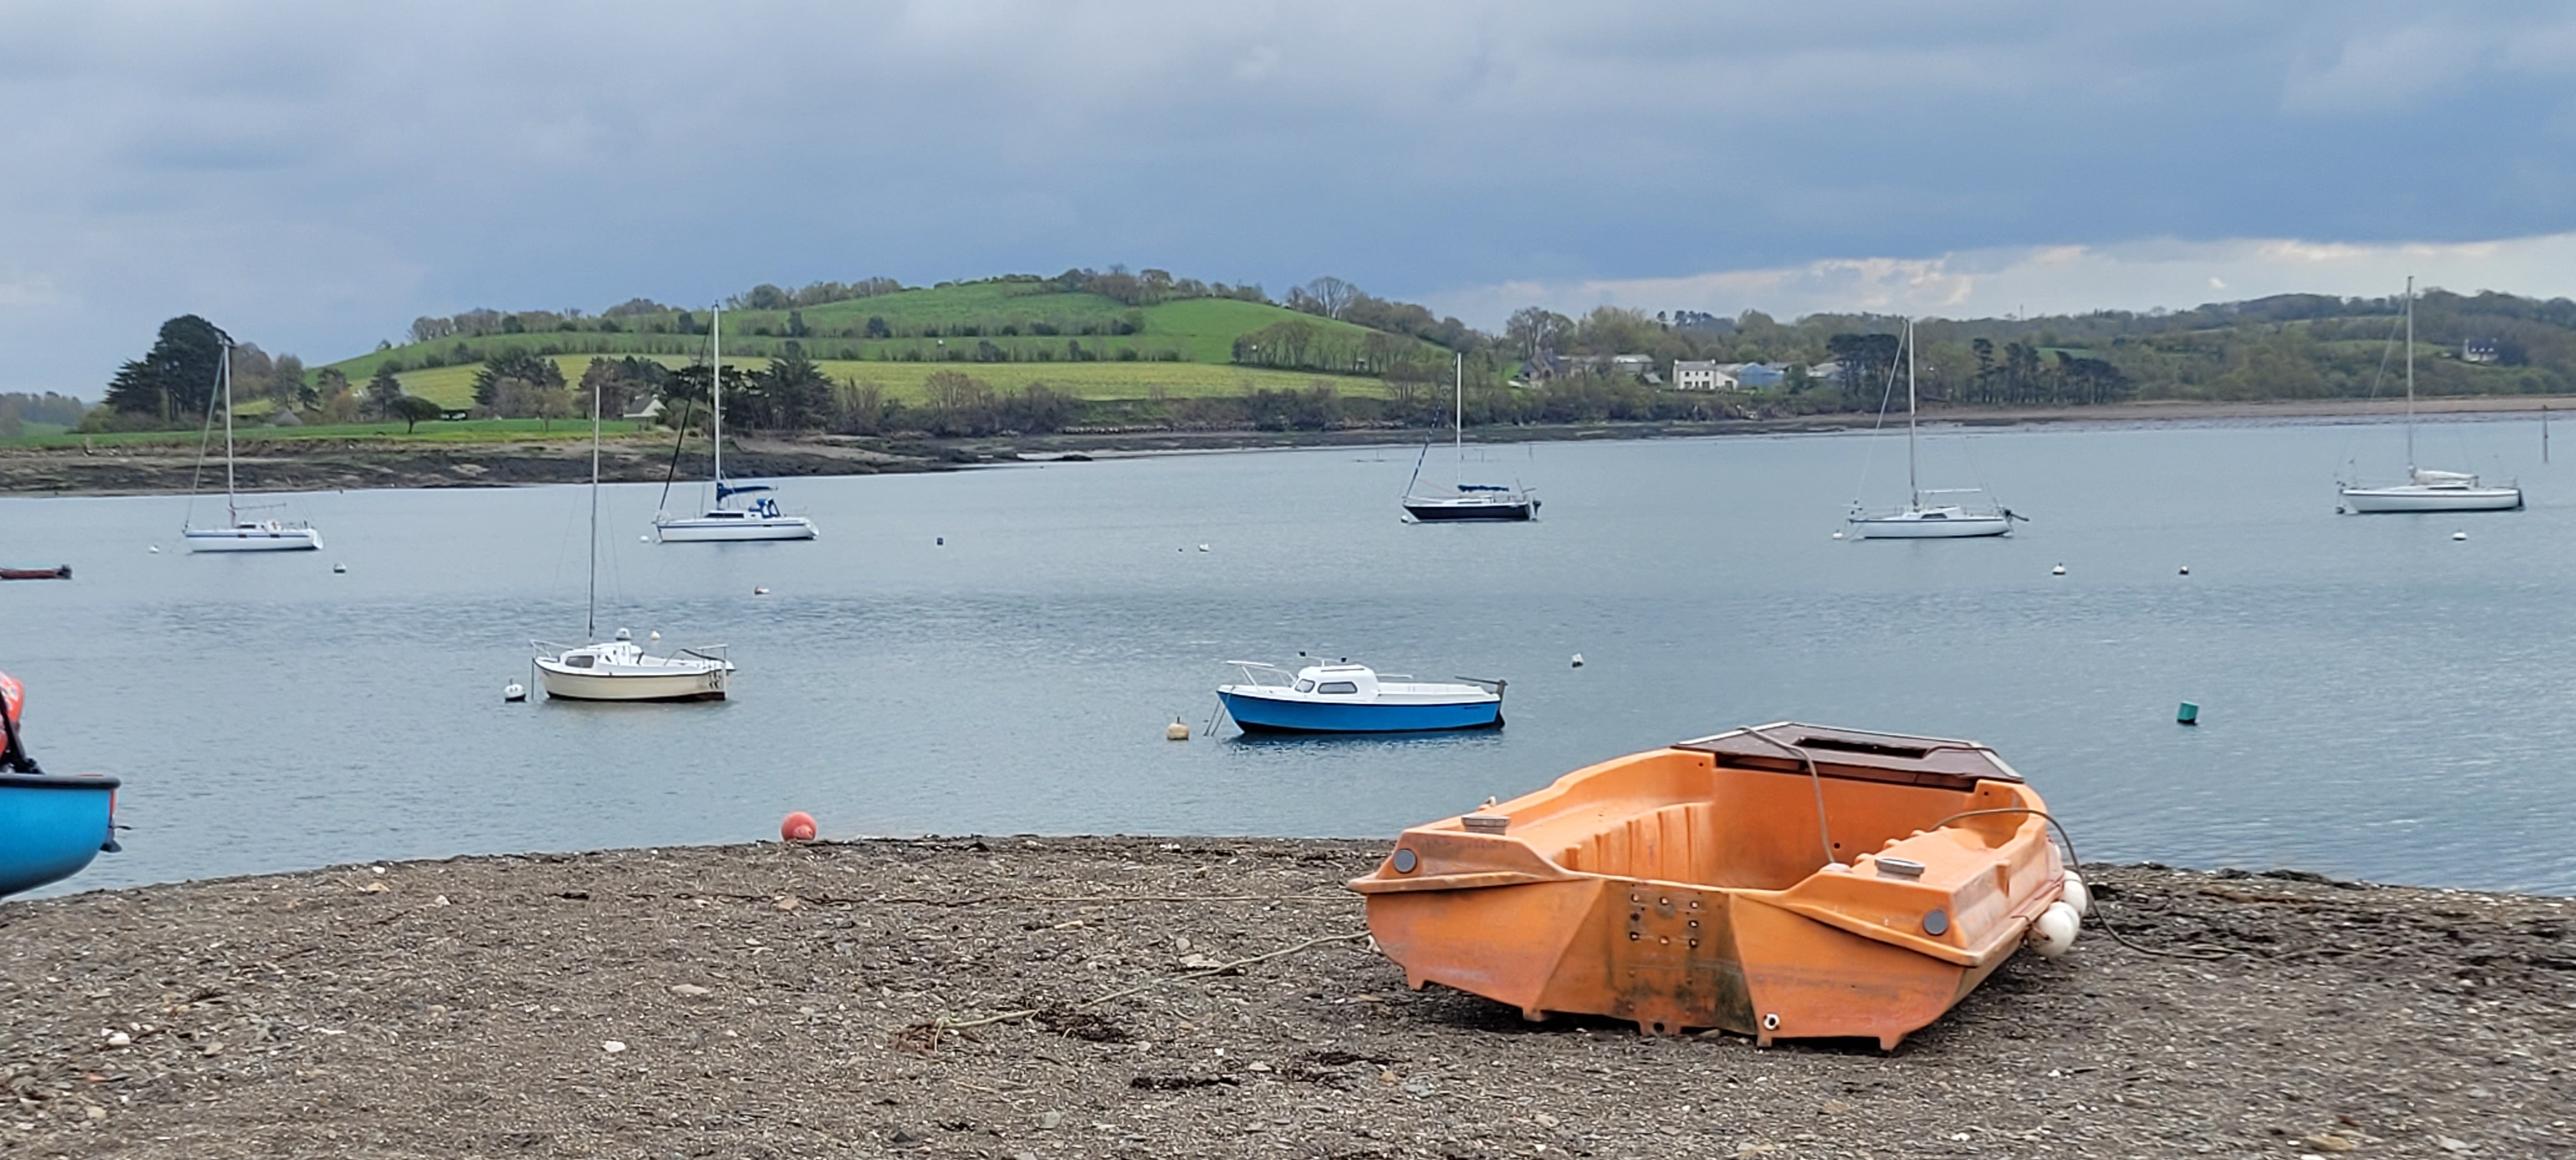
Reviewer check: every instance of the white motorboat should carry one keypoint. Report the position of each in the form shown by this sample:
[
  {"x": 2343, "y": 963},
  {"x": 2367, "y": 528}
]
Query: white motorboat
[
  {"x": 240, "y": 533},
  {"x": 1348, "y": 698},
  {"x": 1481, "y": 502},
  {"x": 1918, "y": 520},
  {"x": 619, "y": 669},
  {"x": 2426, "y": 490},
  {"x": 722, "y": 521}
]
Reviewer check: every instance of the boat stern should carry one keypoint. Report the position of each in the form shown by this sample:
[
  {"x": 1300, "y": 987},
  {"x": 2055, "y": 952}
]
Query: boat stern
[{"x": 52, "y": 826}]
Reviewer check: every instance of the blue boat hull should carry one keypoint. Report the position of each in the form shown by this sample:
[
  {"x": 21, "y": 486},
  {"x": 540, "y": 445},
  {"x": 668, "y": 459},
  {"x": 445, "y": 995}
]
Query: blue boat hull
[
  {"x": 50, "y": 827},
  {"x": 1264, "y": 715}
]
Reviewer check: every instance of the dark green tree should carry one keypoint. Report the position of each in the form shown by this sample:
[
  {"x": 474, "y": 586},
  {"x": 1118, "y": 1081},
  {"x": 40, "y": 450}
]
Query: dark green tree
[
  {"x": 414, "y": 410},
  {"x": 384, "y": 390},
  {"x": 790, "y": 394},
  {"x": 177, "y": 377},
  {"x": 516, "y": 364}
]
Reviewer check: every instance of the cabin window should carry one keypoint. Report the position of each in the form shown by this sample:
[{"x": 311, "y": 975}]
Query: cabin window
[
  {"x": 1338, "y": 687},
  {"x": 577, "y": 662},
  {"x": 1305, "y": 686}
]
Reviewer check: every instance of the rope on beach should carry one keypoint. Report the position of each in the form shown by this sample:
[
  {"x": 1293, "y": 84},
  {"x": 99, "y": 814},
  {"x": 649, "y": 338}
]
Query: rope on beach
[
  {"x": 2200, "y": 951},
  {"x": 927, "y": 1034}
]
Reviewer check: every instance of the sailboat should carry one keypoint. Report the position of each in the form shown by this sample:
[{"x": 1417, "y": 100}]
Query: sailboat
[
  {"x": 620, "y": 669},
  {"x": 757, "y": 517},
  {"x": 2424, "y": 490},
  {"x": 1918, "y": 520},
  {"x": 1466, "y": 501},
  {"x": 240, "y": 534}
]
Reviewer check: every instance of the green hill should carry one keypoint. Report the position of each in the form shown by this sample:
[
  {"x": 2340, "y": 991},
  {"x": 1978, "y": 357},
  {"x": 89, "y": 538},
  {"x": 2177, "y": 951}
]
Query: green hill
[{"x": 1007, "y": 332}]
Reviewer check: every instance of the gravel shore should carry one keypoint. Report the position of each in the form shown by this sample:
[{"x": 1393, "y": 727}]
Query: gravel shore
[{"x": 776, "y": 1001}]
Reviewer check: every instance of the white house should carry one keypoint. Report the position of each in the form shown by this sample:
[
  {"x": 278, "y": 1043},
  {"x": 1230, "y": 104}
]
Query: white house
[{"x": 1703, "y": 376}]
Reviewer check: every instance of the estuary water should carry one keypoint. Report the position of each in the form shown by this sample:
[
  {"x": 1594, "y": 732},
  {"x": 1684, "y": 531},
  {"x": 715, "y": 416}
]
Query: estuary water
[{"x": 998, "y": 651}]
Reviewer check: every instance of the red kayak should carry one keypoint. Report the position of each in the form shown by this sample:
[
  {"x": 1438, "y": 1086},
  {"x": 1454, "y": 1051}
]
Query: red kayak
[{"x": 57, "y": 572}]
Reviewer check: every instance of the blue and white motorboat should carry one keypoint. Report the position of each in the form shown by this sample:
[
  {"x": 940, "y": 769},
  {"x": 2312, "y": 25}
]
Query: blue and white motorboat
[
  {"x": 51, "y": 826},
  {"x": 1346, "y": 698}
]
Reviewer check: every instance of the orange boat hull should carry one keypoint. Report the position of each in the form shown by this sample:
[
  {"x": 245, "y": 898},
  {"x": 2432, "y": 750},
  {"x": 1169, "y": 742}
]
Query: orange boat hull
[{"x": 1690, "y": 888}]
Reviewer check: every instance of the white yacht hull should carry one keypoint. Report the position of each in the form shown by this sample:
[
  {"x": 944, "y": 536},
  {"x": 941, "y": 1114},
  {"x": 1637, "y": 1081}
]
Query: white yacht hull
[
  {"x": 1912, "y": 527},
  {"x": 2421, "y": 498},
  {"x": 706, "y": 531},
  {"x": 696, "y": 684},
  {"x": 253, "y": 539}
]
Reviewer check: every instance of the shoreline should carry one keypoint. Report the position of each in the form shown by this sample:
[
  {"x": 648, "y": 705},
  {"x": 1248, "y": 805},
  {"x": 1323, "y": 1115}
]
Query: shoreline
[
  {"x": 772, "y": 1000},
  {"x": 340, "y": 465}
]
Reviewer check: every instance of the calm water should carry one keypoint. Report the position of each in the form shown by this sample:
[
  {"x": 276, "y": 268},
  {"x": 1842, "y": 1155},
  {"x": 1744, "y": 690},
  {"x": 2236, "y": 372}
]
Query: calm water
[{"x": 2379, "y": 700}]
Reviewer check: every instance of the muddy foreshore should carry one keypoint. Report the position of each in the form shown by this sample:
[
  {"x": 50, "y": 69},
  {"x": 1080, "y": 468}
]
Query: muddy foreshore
[
  {"x": 342, "y": 464},
  {"x": 775, "y": 1001}
]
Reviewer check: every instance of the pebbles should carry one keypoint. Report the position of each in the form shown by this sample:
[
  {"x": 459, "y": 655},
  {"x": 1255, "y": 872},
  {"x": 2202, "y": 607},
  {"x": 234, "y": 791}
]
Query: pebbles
[{"x": 211, "y": 1018}]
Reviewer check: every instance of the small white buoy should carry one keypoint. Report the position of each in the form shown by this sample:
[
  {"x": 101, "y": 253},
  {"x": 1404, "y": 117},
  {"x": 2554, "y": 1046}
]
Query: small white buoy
[
  {"x": 1838, "y": 535},
  {"x": 2059, "y": 570},
  {"x": 2186, "y": 569},
  {"x": 656, "y": 634},
  {"x": 1578, "y": 660},
  {"x": 2459, "y": 535},
  {"x": 2076, "y": 894},
  {"x": 2054, "y": 933},
  {"x": 514, "y": 691},
  {"x": 156, "y": 549},
  {"x": 1203, "y": 547},
  {"x": 760, "y": 590},
  {"x": 339, "y": 569},
  {"x": 1178, "y": 730}
]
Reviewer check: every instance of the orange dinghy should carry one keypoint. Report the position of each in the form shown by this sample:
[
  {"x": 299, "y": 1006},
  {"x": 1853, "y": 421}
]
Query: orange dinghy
[{"x": 1780, "y": 881}]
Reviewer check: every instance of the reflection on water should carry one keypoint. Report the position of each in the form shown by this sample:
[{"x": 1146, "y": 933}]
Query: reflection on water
[{"x": 1000, "y": 651}]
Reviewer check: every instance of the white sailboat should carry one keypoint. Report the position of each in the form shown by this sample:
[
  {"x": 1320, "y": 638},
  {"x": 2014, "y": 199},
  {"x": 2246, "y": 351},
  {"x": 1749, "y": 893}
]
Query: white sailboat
[
  {"x": 1466, "y": 501},
  {"x": 239, "y": 533},
  {"x": 1918, "y": 520},
  {"x": 2426, "y": 490},
  {"x": 757, "y": 517},
  {"x": 620, "y": 669}
]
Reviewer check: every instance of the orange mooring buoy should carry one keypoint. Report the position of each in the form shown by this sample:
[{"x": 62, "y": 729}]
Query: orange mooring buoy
[{"x": 799, "y": 827}]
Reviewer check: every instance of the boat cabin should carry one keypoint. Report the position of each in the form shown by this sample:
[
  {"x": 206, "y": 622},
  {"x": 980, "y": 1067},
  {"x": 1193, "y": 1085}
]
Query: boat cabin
[{"x": 1358, "y": 682}]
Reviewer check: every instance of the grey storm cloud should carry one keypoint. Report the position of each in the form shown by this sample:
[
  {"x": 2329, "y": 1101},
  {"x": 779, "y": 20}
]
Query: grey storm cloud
[{"x": 312, "y": 176}]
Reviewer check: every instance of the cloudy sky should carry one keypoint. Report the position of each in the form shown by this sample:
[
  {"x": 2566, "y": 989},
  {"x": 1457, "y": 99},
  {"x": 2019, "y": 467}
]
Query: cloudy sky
[{"x": 312, "y": 176}]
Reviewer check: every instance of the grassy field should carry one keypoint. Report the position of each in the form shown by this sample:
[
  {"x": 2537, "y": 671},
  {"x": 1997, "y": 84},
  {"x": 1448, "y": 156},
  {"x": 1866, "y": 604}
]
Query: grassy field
[
  {"x": 472, "y": 431},
  {"x": 1196, "y": 332},
  {"x": 454, "y": 386}
]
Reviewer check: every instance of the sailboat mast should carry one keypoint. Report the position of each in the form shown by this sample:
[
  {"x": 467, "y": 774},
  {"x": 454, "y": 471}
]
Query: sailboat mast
[
  {"x": 1912, "y": 485},
  {"x": 2409, "y": 378},
  {"x": 232, "y": 516},
  {"x": 590, "y": 622},
  {"x": 1458, "y": 412},
  {"x": 715, "y": 389}
]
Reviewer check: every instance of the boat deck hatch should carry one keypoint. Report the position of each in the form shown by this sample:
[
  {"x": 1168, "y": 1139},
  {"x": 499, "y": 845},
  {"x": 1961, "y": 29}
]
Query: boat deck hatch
[{"x": 1788, "y": 746}]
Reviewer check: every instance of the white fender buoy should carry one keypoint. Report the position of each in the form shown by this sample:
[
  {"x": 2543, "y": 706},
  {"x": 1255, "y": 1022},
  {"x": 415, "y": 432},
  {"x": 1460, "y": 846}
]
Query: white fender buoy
[
  {"x": 1838, "y": 535},
  {"x": 156, "y": 549},
  {"x": 2186, "y": 569},
  {"x": 2054, "y": 932},
  {"x": 2459, "y": 535},
  {"x": 1578, "y": 660},
  {"x": 1203, "y": 547},
  {"x": 656, "y": 634},
  {"x": 514, "y": 691},
  {"x": 760, "y": 590},
  {"x": 644, "y": 539},
  {"x": 1176, "y": 731},
  {"x": 2076, "y": 894},
  {"x": 339, "y": 569},
  {"x": 2059, "y": 570}
]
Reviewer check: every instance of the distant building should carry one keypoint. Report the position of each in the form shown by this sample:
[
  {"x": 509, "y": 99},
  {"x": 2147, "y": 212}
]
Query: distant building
[
  {"x": 649, "y": 412},
  {"x": 1757, "y": 376},
  {"x": 1702, "y": 376},
  {"x": 2478, "y": 350},
  {"x": 1636, "y": 365}
]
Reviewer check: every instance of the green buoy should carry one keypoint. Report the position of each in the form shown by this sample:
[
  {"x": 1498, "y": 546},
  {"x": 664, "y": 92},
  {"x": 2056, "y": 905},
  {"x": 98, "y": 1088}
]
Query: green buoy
[{"x": 2189, "y": 714}]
